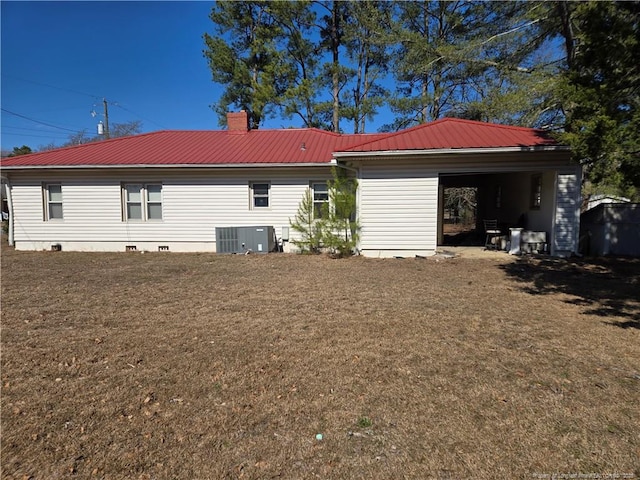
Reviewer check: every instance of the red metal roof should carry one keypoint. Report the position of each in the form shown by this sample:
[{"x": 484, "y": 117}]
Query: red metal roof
[
  {"x": 455, "y": 133},
  {"x": 286, "y": 146}
]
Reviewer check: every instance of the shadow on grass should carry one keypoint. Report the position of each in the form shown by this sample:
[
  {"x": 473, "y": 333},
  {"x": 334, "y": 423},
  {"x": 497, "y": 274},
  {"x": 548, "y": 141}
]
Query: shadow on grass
[{"x": 608, "y": 287}]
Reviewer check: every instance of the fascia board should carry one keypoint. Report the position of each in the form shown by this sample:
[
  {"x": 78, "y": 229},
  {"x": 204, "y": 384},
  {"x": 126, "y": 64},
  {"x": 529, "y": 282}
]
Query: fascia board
[
  {"x": 170, "y": 166},
  {"x": 450, "y": 151}
]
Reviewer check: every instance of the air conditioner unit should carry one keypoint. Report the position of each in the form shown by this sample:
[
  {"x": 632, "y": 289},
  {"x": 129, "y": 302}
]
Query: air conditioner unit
[{"x": 245, "y": 239}]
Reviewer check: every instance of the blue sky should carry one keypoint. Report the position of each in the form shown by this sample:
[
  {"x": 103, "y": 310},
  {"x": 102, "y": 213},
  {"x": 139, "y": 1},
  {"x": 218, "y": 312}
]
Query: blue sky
[{"x": 60, "y": 59}]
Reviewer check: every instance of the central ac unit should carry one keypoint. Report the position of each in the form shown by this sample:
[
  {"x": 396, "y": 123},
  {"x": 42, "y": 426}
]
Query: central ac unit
[{"x": 245, "y": 239}]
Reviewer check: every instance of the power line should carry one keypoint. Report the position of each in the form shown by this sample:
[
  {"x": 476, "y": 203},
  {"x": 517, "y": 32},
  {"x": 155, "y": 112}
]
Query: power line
[
  {"x": 82, "y": 93},
  {"x": 27, "y": 129},
  {"x": 137, "y": 114},
  {"x": 38, "y": 121},
  {"x": 55, "y": 136},
  {"x": 56, "y": 110},
  {"x": 22, "y": 128},
  {"x": 53, "y": 86}
]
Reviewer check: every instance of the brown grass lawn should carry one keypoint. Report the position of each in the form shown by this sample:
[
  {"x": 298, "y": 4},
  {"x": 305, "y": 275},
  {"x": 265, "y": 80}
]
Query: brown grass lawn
[{"x": 196, "y": 366}]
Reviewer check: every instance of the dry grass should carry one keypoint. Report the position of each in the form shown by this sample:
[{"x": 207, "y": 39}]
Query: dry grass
[{"x": 200, "y": 366}]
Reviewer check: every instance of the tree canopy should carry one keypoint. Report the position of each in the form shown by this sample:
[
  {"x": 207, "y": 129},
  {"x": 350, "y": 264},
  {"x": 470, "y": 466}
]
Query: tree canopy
[
  {"x": 116, "y": 130},
  {"x": 23, "y": 150},
  {"x": 600, "y": 93},
  {"x": 570, "y": 67}
]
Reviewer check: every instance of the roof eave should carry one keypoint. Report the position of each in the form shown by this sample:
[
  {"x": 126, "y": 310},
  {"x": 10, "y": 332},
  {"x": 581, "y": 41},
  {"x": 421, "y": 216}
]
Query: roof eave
[
  {"x": 172, "y": 166},
  {"x": 451, "y": 151}
]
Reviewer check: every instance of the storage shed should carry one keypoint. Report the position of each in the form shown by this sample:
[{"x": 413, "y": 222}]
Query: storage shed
[{"x": 611, "y": 229}]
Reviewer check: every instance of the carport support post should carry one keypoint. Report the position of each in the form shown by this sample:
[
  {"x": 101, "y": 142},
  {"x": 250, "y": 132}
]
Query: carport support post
[{"x": 440, "y": 240}]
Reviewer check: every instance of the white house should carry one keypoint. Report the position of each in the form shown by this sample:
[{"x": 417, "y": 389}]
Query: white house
[{"x": 172, "y": 189}]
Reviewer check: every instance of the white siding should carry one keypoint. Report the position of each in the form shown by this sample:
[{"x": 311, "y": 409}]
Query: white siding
[
  {"x": 192, "y": 207},
  {"x": 398, "y": 211},
  {"x": 567, "y": 211}
]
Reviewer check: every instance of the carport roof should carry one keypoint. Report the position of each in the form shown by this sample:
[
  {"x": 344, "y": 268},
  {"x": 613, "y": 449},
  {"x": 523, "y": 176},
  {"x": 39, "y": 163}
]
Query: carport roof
[{"x": 455, "y": 133}]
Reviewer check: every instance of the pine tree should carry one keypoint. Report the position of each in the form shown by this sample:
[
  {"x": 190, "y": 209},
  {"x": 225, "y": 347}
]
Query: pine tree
[
  {"x": 307, "y": 225},
  {"x": 366, "y": 37},
  {"x": 301, "y": 60},
  {"x": 243, "y": 56},
  {"x": 600, "y": 93},
  {"x": 340, "y": 232}
]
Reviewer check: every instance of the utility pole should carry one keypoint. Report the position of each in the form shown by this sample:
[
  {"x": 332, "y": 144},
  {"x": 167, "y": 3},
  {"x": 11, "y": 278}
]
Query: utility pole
[{"x": 106, "y": 119}]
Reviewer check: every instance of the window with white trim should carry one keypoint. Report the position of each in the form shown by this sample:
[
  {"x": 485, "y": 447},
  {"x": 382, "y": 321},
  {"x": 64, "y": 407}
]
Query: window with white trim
[
  {"x": 259, "y": 194},
  {"x": 141, "y": 202},
  {"x": 320, "y": 193},
  {"x": 52, "y": 194}
]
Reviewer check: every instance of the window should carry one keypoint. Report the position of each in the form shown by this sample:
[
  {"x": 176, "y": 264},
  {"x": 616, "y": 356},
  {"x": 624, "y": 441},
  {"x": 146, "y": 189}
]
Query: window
[
  {"x": 260, "y": 195},
  {"x": 154, "y": 202},
  {"x": 142, "y": 202},
  {"x": 536, "y": 191},
  {"x": 52, "y": 193},
  {"x": 320, "y": 192}
]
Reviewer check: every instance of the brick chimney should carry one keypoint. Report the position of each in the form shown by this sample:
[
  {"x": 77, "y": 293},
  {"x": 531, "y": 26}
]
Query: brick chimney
[{"x": 238, "y": 122}]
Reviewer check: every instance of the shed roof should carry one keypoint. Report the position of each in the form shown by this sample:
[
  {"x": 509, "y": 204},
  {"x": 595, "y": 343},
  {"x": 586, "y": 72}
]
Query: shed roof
[{"x": 275, "y": 147}]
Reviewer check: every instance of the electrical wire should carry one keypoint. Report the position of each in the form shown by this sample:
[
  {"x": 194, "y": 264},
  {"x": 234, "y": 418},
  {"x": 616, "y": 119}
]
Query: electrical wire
[
  {"x": 52, "y": 86},
  {"x": 30, "y": 135},
  {"x": 40, "y": 122},
  {"x": 21, "y": 128},
  {"x": 27, "y": 129},
  {"x": 82, "y": 93},
  {"x": 138, "y": 115}
]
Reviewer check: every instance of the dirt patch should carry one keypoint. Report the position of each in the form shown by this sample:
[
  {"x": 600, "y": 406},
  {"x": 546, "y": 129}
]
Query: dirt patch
[{"x": 170, "y": 365}]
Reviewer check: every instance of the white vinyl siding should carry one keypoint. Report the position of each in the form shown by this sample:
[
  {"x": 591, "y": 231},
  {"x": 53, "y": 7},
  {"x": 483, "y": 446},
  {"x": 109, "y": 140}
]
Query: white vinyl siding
[
  {"x": 397, "y": 203},
  {"x": 193, "y": 205},
  {"x": 398, "y": 209}
]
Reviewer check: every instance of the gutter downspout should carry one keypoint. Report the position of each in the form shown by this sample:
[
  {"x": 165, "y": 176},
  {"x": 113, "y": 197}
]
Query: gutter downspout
[{"x": 7, "y": 188}]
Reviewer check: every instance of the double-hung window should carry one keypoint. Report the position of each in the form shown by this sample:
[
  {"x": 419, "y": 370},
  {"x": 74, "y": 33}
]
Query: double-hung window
[
  {"x": 141, "y": 202},
  {"x": 52, "y": 194},
  {"x": 259, "y": 194},
  {"x": 154, "y": 201},
  {"x": 320, "y": 192}
]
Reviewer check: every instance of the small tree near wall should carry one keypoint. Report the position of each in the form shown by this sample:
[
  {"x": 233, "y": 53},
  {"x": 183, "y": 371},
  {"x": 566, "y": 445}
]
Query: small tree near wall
[
  {"x": 309, "y": 227},
  {"x": 341, "y": 232},
  {"x": 335, "y": 228}
]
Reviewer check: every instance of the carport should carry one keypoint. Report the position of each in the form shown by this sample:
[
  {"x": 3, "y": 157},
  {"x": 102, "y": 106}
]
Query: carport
[
  {"x": 516, "y": 199},
  {"x": 523, "y": 178}
]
